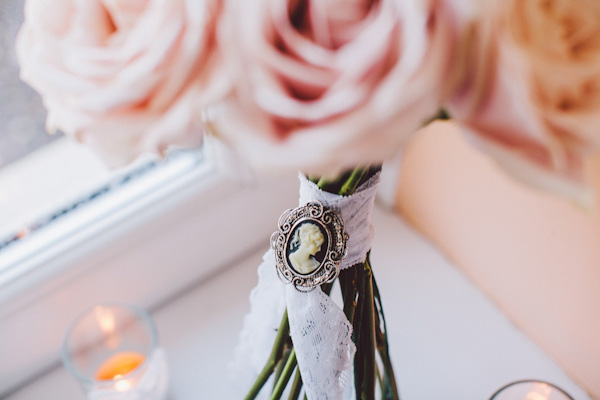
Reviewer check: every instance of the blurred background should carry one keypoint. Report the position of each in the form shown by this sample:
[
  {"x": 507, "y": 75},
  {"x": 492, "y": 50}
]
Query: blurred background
[{"x": 22, "y": 114}]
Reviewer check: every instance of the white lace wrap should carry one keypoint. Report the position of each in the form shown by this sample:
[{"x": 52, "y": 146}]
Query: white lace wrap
[{"x": 321, "y": 333}]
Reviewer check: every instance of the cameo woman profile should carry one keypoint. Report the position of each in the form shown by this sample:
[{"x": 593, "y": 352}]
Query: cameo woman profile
[
  {"x": 305, "y": 253},
  {"x": 309, "y": 246}
]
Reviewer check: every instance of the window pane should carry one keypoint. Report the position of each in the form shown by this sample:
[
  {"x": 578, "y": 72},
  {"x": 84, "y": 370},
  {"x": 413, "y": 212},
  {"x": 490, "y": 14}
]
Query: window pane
[
  {"x": 59, "y": 177},
  {"x": 22, "y": 114}
]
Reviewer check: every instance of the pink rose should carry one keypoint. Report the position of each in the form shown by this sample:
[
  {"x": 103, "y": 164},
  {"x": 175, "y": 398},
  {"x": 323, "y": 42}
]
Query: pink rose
[
  {"x": 125, "y": 76},
  {"x": 538, "y": 108},
  {"x": 325, "y": 85}
]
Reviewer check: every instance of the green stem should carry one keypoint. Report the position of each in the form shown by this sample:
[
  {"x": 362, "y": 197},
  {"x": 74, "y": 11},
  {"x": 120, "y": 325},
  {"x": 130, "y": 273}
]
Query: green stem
[
  {"x": 296, "y": 386},
  {"x": 368, "y": 339},
  {"x": 380, "y": 381},
  {"x": 349, "y": 285},
  {"x": 326, "y": 288},
  {"x": 276, "y": 353},
  {"x": 281, "y": 363},
  {"x": 357, "y": 332},
  {"x": 345, "y": 184},
  {"x": 390, "y": 388},
  {"x": 324, "y": 182},
  {"x": 352, "y": 182},
  {"x": 285, "y": 376}
]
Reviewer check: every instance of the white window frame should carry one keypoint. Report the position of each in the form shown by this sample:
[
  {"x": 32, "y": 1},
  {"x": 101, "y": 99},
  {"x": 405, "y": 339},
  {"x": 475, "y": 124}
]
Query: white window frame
[{"x": 150, "y": 247}]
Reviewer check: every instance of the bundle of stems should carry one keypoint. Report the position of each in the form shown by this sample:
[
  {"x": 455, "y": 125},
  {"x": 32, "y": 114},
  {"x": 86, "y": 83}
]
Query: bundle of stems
[{"x": 363, "y": 308}]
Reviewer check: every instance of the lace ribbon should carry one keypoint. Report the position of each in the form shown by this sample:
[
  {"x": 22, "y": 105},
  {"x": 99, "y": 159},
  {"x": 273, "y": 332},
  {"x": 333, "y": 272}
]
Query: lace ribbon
[{"x": 321, "y": 333}]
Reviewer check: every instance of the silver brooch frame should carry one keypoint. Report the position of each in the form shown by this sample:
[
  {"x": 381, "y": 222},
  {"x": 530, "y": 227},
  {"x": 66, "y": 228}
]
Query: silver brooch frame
[{"x": 309, "y": 246}]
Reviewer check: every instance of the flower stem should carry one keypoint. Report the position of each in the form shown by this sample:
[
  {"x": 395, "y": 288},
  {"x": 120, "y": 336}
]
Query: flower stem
[
  {"x": 323, "y": 182},
  {"x": 296, "y": 386},
  {"x": 352, "y": 182},
  {"x": 368, "y": 337},
  {"x": 389, "y": 387},
  {"x": 276, "y": 353},
  {"x": 349, "y": 285},
  {"x": 379, "y": 380},
  {"x": 281, "y": 363},
  {"x": 290, "y": 365},
  {"x": 357, "y": 333}
]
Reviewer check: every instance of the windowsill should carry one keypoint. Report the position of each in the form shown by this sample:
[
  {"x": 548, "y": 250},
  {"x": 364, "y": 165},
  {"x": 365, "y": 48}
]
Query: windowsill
[
  {"x": 45, "y": 180},
  {"x": 143, "y": 244},
  {"x": 65, "y": 208},
  {"x": 448, "y": 340}
]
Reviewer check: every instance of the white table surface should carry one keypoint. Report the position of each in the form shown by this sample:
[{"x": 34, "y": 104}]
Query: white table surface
[{"x": 448, "y": 341}]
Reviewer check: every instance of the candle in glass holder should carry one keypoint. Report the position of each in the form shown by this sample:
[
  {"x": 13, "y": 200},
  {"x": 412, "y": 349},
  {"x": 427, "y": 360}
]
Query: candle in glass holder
[
  {"x": 530, "y": 390},
  {"x": 112, "y": 350},
  {"x": 118, "y": 365}
]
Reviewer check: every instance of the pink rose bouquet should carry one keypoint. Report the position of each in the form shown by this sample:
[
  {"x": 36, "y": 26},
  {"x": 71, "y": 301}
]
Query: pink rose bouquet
[
  {"x": 123, "y": 76},
  {"x": 327, "y": 85},
  {"x": 534, "y": 100}
]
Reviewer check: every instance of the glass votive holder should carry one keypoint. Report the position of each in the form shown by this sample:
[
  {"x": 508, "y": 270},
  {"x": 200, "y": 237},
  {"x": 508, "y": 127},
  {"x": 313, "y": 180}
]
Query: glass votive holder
[
  {"x": 112, "y": 350},
  {"x": 530, "y": 390}
]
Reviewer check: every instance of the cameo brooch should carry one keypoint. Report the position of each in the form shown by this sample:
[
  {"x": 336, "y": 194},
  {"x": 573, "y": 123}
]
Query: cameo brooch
[{"x": 309, "y": 246}]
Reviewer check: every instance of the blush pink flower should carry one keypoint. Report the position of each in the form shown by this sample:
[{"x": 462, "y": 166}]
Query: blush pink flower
[
  {"x": 537, "y": 104},
  {"x": 326, "y": 85},
  {"x": 124, "y": 76}
]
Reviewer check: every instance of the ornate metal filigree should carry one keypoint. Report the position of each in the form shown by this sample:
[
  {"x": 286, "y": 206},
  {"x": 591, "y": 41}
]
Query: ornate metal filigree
[{"x": 309, "y": 246}]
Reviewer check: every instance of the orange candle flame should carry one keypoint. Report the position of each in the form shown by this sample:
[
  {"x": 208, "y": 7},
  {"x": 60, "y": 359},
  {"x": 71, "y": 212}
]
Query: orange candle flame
[{"x": 118, "y": 365}]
